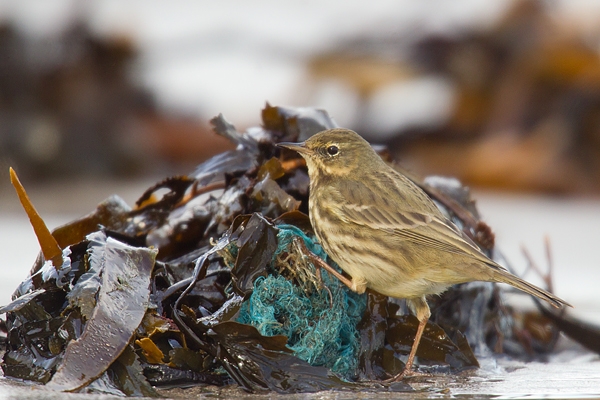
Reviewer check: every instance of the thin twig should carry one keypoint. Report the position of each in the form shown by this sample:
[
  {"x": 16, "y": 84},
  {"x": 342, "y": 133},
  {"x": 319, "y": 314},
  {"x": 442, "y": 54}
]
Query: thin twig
[{"x": 550, "y": 263}]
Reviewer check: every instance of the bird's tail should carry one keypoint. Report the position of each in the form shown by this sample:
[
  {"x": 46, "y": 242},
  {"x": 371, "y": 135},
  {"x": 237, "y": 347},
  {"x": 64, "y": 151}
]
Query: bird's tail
[{"x": 507, "y": 277}]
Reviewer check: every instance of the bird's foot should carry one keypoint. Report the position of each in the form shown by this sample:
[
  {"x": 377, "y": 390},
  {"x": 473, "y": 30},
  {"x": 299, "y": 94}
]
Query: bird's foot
[
  {"x": 407, "y": 373},
  {"x": 359, "y": 286}
]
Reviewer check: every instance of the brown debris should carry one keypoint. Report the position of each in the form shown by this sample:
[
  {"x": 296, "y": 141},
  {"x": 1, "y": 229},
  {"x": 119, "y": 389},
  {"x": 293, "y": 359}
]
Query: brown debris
[
  {"x": 525, "y": 113},
  {"x": 49, "y": 246}
]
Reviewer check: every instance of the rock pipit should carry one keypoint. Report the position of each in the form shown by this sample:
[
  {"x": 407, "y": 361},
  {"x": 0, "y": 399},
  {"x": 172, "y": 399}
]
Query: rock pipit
[{"x": 386, "y": 233}]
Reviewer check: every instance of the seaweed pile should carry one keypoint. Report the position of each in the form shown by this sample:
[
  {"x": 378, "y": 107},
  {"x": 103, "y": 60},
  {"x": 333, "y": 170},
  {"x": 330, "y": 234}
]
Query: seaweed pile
[{"x": 207, "y": 281}]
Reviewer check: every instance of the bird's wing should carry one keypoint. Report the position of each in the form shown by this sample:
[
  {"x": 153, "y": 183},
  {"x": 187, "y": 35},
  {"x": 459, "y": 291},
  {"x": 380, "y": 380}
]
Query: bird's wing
[
  {"x": 442, "y": 235},
  {"x": 432, "y": 231},
  {"x": 397, "y": 215}
]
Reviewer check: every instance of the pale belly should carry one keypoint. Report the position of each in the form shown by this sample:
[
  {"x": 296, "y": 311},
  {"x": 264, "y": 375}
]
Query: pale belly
[{"x": 388, "y": 277}]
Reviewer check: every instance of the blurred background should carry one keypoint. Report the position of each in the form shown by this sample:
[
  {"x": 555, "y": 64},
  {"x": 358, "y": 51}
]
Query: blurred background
[
  {"x": 105, "y": 96},
  {"x": 502, "y": 94}
]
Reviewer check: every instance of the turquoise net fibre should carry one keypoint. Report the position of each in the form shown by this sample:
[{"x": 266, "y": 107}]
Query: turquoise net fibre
[{"x": 321, "y": 327}]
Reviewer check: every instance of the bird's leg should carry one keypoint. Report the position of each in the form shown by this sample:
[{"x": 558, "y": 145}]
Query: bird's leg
[
  {"x": 359, "y": 286},
  {"x": 420, "y": 308},
  {"x": 413, "y": 351},
  {"x": 319, "y": 263}
]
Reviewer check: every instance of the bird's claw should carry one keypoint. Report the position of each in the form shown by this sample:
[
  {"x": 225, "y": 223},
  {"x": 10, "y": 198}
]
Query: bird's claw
[{"x": 407, "y": 373}]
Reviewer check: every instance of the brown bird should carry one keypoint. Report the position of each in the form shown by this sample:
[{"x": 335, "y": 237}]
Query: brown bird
[{"x": 386, "y": 233}]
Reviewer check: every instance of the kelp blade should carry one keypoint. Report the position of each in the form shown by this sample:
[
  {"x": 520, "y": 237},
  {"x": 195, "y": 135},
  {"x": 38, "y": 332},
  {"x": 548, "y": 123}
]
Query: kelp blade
[{"x": 122, "y": 303}]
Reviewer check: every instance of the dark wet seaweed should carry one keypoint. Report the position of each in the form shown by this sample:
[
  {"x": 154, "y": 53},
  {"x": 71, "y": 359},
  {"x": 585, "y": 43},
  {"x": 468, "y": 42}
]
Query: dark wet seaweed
[
  {"x": 117, "y": 310},
  {"x": 256, "y": 246},
  {"x": 582, "y": 332}
]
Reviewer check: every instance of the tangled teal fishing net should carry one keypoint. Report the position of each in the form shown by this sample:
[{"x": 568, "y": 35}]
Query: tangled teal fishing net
[{"x": 320, "y": 322}]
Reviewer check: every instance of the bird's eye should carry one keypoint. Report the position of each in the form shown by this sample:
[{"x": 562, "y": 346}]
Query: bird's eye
[{"x": 332, "y": 150}]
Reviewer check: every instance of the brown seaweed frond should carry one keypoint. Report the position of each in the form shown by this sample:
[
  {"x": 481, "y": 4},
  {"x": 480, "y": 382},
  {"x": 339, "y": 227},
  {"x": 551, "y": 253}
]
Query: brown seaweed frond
[{"x": 50, "y": 248}]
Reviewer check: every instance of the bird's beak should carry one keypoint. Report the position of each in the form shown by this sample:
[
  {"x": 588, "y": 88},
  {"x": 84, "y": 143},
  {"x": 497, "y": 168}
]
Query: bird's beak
[{"x": 299, "y": 147}]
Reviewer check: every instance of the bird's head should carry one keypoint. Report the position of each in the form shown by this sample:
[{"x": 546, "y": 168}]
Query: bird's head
[{"x": 335, "y": 152}]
